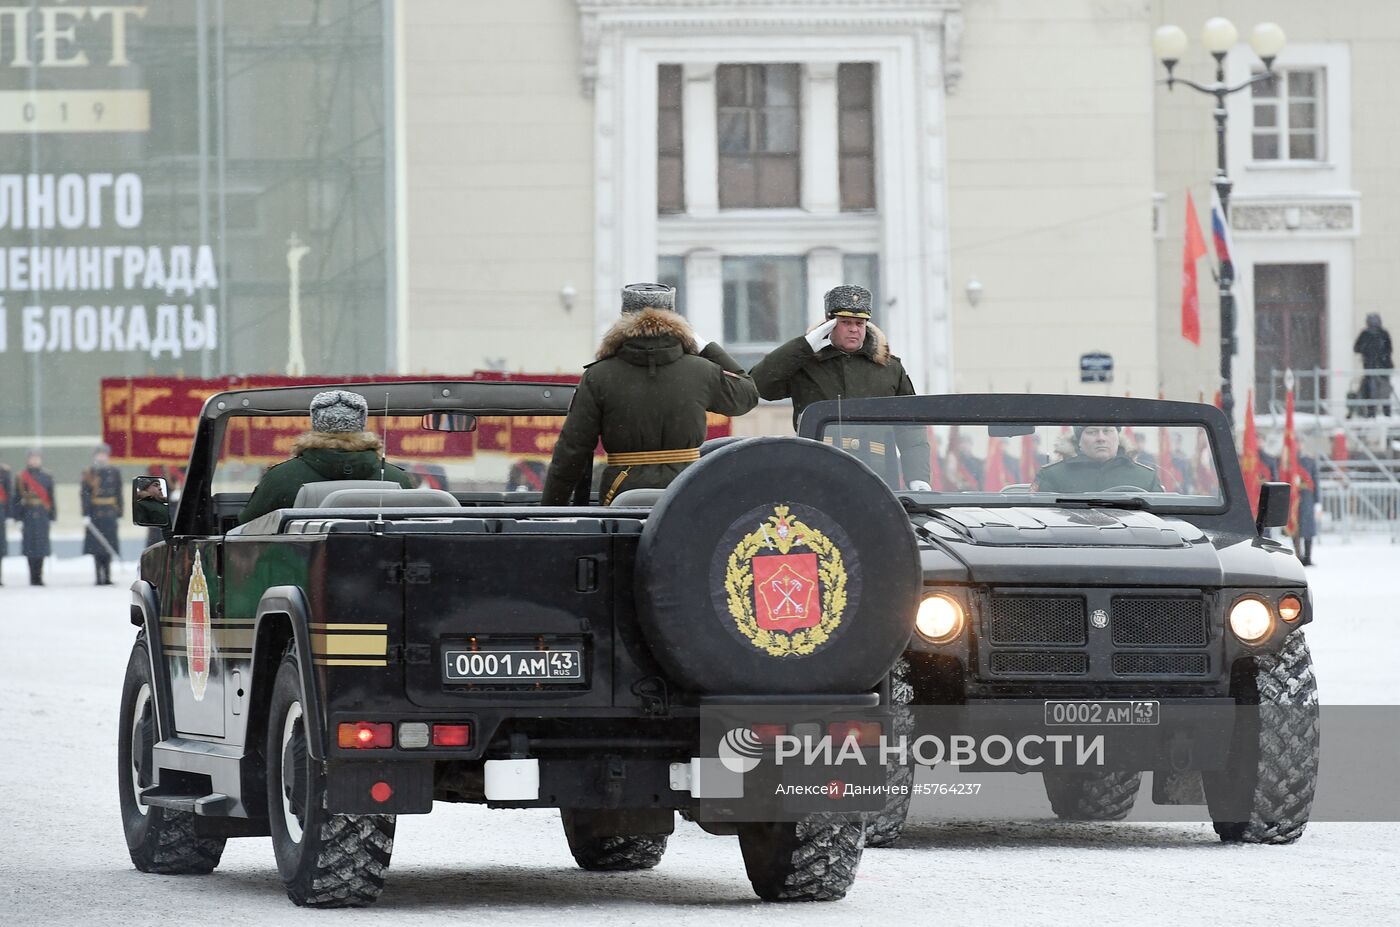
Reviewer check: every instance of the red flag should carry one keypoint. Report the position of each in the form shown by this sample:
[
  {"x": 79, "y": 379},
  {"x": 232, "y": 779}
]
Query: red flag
[
  {"x": 1339, "y": 446},
  {"x": 996, "y": 476},
  {"x": 1028, "y": 461},
  {"x": 1255, "y": 473},
  {"x": 1166, "y": 467},
  {"x": 1190, "y": 295},
  {"x": 1290, "y": 469}
]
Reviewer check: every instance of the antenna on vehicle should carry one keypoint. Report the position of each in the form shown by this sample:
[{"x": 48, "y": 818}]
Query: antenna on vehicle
[{"x": 383, "y": 455}]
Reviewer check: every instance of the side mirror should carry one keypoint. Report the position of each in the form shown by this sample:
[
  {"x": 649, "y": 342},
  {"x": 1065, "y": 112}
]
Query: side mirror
[
  {"x": 150, "y": 502},
  {"x": 1274, "y": 499},
  {"x": 449, "y": 421}
]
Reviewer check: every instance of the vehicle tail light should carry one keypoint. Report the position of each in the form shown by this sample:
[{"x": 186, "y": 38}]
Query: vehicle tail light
[
  {"x": 768, "y": 733},
  {"x": 381, "y": 791},
  {"x": 365, "y": 735},
  {"x": 866, "y": 733},
  {"x": 452, "y": 735}
]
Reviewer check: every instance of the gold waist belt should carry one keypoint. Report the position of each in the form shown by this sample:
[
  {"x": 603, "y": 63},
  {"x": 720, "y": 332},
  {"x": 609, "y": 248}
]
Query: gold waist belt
[
  {"x": 641, "y": 458},
  {"x": 854, "y": 444}
]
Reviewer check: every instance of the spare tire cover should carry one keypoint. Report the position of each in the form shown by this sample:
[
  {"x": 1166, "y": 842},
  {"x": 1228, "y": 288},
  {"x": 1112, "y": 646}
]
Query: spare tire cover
[{"x": 777, "y": 566}]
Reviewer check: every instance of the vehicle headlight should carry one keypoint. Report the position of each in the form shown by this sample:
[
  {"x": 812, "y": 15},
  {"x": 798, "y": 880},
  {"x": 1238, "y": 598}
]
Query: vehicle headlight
[
  {"x": 940, "y": 618},
  {"x": 1251, "y": 620}
]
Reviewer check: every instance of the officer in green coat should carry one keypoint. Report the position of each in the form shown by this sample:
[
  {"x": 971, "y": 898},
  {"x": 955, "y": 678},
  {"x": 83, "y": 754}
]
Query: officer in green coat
[
  {"x": 336, "y": 448},
  {"x": 848, "y": 357},
  {"x": 646, "y": 397},
  {"x": 1099, "y": 465}
]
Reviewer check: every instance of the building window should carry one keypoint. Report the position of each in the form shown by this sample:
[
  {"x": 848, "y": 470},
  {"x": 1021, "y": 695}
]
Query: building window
[
  {"x": 1288, "y": 116},
  {"x": 670, "y": 271},
  {"x": 759, "y": 133},
  {"x": 670, "y": 136},
  {"x": 855, "y": 102},
  {"x": 863, "y": 270},
  {"x": 763, "y": 302}
]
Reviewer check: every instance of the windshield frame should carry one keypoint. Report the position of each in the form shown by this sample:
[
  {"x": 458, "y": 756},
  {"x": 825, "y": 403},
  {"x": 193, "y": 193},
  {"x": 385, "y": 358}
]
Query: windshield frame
[{"x": 1231, "y": 512}]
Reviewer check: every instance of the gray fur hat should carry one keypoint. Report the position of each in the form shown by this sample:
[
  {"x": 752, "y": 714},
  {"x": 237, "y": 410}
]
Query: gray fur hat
[
  {"x": 102, "y": 449},
  {"x": 639, "y": 296},
  {"x": 339, "y": 410},
  {"x": 848, "y": 302}
]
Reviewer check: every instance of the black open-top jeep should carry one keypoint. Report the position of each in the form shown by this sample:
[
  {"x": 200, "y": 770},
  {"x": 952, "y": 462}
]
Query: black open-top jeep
[
  {"x": 372, "y": 649},
  {"x": 1092, "y": 566}
]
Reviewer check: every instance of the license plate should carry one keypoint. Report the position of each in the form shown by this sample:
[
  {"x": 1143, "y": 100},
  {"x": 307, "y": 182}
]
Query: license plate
[
  {"x": 1103, "y": 713},
  {"x": 471, "y": 666}
]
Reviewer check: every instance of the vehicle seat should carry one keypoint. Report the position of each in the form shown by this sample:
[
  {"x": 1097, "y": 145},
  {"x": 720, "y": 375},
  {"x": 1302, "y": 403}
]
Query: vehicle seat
[
  {"x": 638, "y": 498},
  {"x": 397, "y": 498},
  {"x": 313, "y": 495}
]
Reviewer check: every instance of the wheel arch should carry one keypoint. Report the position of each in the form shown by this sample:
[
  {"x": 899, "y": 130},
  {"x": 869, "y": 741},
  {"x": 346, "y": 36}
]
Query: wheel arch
[
  {"x": 145, "y": 614},
  {"x": 283, "y": 616}
]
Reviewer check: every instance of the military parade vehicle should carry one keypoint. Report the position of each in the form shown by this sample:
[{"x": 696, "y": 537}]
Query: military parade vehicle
[
  {"x": 1091, "y": 565},
  {"x": 371, "y": 650}
]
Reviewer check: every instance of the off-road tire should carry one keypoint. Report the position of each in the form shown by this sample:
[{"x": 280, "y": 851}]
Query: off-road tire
[
  {"x": 1077, "y": 795},
  {"x": 814, "y": 859},
  {"x": 160, "y": 840},
  {"x": 1265, "y": 793},
  {"x": 615, "y": 853},
  {"x": 883, "y": 828},
  {"x": 337, "y": 860}
]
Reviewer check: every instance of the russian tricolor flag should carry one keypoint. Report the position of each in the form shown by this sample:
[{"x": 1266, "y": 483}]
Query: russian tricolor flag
[{"x": 1220, "y": 230}]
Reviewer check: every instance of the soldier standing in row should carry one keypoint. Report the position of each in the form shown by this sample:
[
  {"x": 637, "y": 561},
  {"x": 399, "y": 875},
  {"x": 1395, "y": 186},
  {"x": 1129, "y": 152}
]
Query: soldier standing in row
[
  {"x": 5, "y": 485},
  {"x": 646, "y": 397},
  {"x": 33, "y": 504},
  {"x": 102, "y": 507}
]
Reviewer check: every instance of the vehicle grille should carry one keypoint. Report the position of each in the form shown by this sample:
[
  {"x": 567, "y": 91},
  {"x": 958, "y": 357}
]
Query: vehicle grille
[
  {"x": 1037, "y": 619},
  {"x": 1162, "y": 621},
  {"x": 1160, "y": 664},
  {"x": 1015, "y": 663}
]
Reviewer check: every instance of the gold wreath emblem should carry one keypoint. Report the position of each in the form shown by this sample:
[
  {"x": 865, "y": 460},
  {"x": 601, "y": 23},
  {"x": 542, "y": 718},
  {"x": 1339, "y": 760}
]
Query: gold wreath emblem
[{"x": 783, "y": 533}]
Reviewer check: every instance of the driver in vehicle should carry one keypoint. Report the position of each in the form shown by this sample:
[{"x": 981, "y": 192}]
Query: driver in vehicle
[
  {"x": 336, "y": 448},
  {"x": 1101, "y": 464}
]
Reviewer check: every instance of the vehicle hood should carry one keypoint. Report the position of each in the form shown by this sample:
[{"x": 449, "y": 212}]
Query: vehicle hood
[{"x": 1101, "y": 546}]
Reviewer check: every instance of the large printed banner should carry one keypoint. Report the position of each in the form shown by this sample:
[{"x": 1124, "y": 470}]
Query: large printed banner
[{"x": 152, "y": 420}]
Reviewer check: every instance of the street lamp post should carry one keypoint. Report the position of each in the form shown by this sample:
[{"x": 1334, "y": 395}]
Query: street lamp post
[{"x": 1218, "y": 36}]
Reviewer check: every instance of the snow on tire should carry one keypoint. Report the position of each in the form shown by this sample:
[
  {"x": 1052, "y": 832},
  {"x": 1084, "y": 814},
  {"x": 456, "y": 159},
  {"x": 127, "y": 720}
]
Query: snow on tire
[
  {"x": 813, "y": 859},
  {"x": 610, "y": 852},
  {"x": 1091, "y": 796},
  {"x": 160, "y": 840},
  {"x": 1265, "y": 793},
  {"x": 884, "y": 827},
  {"x": 325, "y": 860}
]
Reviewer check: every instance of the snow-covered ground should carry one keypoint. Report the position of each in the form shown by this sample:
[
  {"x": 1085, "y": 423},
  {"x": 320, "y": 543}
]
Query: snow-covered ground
[{"x": 63, "y": 859}]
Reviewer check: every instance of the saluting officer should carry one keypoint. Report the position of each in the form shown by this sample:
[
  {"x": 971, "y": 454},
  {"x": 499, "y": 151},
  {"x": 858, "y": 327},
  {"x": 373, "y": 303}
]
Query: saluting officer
[
  {"x": 847, "y": 357},
  {"x": 5, "y": 485},
  {"x": 33, "y": 504},
  {"x": 102, "y": 508},
  {"x": 646, "y": 397}
]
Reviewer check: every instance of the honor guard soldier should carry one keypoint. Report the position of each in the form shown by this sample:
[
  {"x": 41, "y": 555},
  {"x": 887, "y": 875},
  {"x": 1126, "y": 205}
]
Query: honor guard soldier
[
  {"x": 101, "y": 492},
  {"x": 848, "y": 357},
  {"x": 5, "y": 485},
  {"x": 32, "y": 503},
  {"x": 646, "y": 397}
]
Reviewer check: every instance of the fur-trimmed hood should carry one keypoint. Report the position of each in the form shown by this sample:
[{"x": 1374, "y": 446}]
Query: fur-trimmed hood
[
  {"x": 336, "y": 441},
  {"x": 657, "y": 326},
  {"x": 876, "y": 346}
]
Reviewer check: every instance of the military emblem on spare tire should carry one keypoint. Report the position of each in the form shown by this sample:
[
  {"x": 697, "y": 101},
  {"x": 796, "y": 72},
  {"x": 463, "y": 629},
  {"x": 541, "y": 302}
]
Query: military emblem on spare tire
[{"x": 786, "y": 584}]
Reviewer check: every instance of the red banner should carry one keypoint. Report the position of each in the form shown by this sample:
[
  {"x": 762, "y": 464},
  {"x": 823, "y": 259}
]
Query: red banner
[{"x": 152, "y": 420}]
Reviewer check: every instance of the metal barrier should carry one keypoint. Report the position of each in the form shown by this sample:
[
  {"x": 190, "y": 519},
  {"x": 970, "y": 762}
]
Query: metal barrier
[{"x": 1369, "y": 506}]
